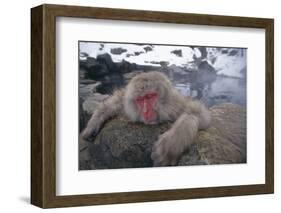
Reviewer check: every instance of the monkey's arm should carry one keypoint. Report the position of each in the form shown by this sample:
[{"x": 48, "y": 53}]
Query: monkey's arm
[
  {"x": 171, "y": 145},
  {"x": 109, "y": 108}
]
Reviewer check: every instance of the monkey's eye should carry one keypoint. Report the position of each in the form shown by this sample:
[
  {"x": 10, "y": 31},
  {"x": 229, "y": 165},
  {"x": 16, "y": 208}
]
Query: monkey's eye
[{"x": 150, "y": 96}]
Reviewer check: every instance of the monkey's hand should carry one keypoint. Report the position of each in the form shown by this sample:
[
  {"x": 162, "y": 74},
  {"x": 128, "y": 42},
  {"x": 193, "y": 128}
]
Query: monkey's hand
[
  {"x": 163, "y": 153},
  {"x": 171, "y": 145},
  {"x": 92, "y": 129}
]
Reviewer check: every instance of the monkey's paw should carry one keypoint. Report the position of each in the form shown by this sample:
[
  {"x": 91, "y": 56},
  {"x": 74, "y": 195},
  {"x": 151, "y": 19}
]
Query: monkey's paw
[
  {"x": 89, "y": 134},
  {"x": 164, "y": 152}
]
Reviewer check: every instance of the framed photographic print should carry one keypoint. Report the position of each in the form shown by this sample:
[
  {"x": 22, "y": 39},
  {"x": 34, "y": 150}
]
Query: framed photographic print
[{"x": 136, "y": 106}]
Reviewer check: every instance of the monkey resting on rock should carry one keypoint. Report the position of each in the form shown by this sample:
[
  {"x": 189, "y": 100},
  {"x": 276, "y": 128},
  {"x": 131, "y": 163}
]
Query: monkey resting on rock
[{"x": 150, "y": 98}]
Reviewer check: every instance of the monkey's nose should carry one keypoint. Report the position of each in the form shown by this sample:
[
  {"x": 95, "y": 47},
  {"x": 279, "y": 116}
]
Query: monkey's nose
[{"x": 144, "y": 107}]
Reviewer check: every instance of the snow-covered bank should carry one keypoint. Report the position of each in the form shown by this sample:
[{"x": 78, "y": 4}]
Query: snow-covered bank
[{"x": 226, "y": 61}]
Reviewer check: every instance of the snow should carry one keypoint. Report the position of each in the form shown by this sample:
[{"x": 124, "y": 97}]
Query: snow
[
  {"x": 159, "y": 53},
  {"x": 224, "y": 64},
  {"x": 228, "y": 65}
]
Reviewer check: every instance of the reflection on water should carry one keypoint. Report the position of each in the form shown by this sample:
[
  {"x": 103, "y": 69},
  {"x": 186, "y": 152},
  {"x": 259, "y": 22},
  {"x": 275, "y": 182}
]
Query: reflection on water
[{"x": 222, "y": 89}]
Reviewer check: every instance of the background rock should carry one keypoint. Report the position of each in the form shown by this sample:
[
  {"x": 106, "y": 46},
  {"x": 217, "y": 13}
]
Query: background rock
[
  {"x": 86, "y": 90},
  {"x": 123, "y": 144},
  {"x": 118, "y": 51},
  {"x": 148, "y": 48},
  {"x": 177, "y": 52}
]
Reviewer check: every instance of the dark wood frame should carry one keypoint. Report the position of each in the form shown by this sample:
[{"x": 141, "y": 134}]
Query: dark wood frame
[{"x": 43, "y": 105}]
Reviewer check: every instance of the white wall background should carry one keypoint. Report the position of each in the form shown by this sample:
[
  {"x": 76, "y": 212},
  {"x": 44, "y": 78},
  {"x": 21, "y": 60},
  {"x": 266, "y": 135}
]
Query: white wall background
[{"x": 15, "y": 104}]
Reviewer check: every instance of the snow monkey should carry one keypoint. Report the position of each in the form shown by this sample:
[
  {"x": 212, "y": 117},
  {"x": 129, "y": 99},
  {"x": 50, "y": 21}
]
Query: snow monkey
[{"x": 150, "y": 98}]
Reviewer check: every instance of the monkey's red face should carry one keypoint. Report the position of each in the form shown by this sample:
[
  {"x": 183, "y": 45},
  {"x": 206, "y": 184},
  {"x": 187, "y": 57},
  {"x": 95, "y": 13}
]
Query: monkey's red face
[{"x": 146, "y": 105}]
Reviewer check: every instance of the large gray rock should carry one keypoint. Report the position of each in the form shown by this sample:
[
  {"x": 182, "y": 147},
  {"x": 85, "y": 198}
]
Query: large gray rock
[{"x": 123, "y": 144}]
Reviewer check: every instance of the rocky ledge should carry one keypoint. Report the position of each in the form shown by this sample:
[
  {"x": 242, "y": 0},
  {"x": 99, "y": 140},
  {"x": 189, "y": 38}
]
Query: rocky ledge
[{"x": 123, "y": 144}]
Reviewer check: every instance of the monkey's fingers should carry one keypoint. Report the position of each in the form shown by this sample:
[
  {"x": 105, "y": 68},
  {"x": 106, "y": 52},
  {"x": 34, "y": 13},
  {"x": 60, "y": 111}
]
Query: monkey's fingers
[
  {"x": 158, "y": 160},
  {"x": 162, "y": 153},
  {"x": 159, "y": 155},
  {"x": 89, "y": 134}
]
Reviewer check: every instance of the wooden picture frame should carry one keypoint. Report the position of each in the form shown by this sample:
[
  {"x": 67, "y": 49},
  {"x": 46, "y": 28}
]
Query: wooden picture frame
[{"x": 43, "y": 105}]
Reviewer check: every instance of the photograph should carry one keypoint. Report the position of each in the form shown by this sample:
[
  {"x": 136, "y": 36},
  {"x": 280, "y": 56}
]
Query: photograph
[{"x": 157, "y": 105}]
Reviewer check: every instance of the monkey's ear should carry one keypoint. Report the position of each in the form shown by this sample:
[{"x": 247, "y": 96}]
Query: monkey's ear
[{"x": 164, "y": 91}]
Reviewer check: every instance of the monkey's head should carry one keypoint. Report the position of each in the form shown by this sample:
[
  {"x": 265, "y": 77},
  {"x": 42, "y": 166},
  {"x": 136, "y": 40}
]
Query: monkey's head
[{"x": 145, "y": 95}]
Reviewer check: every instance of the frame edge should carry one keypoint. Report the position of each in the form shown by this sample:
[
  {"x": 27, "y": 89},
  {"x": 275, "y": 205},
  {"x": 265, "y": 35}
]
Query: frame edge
[
  {"x": 43, "y": 188},
  {"x": 37, "y": 190},
  {"x": 269, "y": 69}
]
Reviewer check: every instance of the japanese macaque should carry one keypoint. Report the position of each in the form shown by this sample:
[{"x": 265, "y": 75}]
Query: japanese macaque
[{"x": 150, "y": 98}]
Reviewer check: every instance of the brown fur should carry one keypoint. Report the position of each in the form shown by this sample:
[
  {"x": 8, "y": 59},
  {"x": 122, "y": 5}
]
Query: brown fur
[{"x": 188, "y": 116}]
